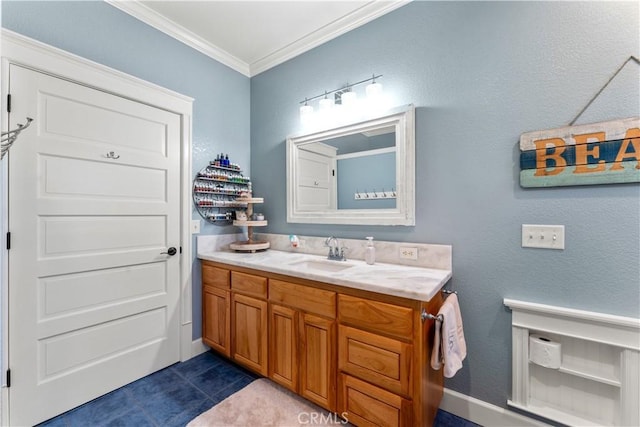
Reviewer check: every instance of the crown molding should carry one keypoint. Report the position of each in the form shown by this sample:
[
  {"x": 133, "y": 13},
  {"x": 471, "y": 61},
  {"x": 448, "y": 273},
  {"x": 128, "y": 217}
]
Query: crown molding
[
  {"x": 178, "y": 32},
  {"x": 355, "y": 19}
]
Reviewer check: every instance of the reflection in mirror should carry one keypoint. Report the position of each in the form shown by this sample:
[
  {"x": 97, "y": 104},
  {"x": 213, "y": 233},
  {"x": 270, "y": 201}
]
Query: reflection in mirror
[
  {"x": 366, "y": 169},
  {"x": 361, "y": 173}
]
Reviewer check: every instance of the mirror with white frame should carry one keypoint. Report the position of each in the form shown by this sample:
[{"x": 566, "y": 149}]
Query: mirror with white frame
[{"x": 358, "y": 173}]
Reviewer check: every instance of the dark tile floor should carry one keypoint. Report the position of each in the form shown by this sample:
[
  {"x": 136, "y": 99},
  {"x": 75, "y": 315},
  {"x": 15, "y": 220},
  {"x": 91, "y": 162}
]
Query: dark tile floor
[{"x": 176, "y": 395}]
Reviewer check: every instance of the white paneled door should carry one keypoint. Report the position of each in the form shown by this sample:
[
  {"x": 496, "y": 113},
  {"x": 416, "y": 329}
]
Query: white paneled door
[
  {"x": 94, "y": 210},
  {"x": 316, "y": 184}
]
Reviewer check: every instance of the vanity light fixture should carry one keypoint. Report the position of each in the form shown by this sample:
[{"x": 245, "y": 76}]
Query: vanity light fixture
[{"x": 344, "y": 96}]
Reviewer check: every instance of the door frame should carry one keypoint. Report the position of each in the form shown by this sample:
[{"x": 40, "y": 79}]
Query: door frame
[{"x": 24, "y": 51}]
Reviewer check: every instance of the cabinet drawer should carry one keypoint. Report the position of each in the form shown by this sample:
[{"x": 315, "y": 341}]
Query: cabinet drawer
[
  {"x": 377, "y": 316},
  {"x": 305, "y": 298},
  {"x": 249, "y": 284},
  {"x": 380, "y": 360},
  {"x": 214, "y": 276},
  {"x": 364, "y": 404}
]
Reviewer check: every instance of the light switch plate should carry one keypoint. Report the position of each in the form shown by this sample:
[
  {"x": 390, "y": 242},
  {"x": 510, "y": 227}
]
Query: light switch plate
[
  {"x": 543, "y": 236},
  {"x": 195, "y": 226}
]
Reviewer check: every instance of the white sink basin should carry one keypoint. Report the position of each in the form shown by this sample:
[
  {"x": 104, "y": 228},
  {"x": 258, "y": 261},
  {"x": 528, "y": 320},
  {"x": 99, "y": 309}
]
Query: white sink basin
[{"x": 318, "y": 265}]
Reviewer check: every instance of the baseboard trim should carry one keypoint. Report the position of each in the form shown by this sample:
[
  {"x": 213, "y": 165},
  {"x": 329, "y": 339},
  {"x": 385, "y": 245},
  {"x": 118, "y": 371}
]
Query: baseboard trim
[
  {"x": 198, "y": 347},
  {"x": 483, "y": 413}
]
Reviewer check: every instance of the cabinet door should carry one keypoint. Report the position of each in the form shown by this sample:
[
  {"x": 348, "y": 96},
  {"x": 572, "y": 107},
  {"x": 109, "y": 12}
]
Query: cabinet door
[
  {"x": 216, "y": 319},
  {"x": 250, "y": 333},
  {"x": 283, "y": 346},
  {"x": 318, "y": 360}
]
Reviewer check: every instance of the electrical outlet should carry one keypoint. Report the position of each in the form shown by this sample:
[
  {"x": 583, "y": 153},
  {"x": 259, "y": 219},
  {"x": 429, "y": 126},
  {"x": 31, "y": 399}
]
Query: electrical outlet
[
  {"x": 408, "y": 253},
  {"x": 543, "y": 236},
  {"x": 195, "y": 226}
]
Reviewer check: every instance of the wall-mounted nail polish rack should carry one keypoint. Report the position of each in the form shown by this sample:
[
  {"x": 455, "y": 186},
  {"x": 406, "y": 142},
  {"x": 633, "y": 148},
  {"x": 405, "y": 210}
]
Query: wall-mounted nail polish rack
[{"x": 216, "y": 188}]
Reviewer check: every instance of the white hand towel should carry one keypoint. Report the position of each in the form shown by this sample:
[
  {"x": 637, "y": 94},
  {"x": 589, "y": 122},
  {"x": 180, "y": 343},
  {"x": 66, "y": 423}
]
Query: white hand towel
[{"x": 449, "y": 346}]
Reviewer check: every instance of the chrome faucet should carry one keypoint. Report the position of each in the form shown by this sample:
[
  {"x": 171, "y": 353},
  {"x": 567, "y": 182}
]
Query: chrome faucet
[{"x": 336, "y": 253}]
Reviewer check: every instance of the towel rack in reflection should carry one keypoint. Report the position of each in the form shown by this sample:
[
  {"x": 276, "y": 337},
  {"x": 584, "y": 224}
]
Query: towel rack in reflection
[
  {"x": 9, "y": 137},
  {"x": 367, "y": 195},
  {"x": 424, "y": 315}
]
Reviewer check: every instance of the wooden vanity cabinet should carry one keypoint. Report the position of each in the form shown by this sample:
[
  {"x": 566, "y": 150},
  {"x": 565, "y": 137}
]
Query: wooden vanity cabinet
[{"x": 353, "y": 352}]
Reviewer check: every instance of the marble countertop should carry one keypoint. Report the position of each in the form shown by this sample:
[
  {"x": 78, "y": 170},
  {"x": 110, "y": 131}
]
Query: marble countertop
[{"x": 391, "y": 279}]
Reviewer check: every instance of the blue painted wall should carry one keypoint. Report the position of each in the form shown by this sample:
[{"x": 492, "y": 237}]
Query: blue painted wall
[
  {"x": 366, "y": 174},
  {"x": 480, "y": 74},
  {"x": 102, "y": 33}
]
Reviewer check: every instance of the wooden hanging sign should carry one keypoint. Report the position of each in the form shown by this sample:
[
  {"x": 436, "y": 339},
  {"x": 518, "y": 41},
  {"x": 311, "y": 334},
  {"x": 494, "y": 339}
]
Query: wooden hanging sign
[{"x": 596, "y": 153}]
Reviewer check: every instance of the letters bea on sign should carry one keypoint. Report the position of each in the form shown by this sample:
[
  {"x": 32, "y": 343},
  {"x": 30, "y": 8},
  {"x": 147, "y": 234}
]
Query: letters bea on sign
[
  {"x": 598, "y": 153},
  {"x": 587, "y": 151}
]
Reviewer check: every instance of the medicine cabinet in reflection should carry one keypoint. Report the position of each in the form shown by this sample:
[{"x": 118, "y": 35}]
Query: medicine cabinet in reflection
[{"x": 360, "y": 173}]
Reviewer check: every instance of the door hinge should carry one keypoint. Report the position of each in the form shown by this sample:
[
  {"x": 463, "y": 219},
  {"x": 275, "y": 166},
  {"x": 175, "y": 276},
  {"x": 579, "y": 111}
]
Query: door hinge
[
  {"x": 8, "y": 240},
  {"x": 8, "y": 378},
  {"x": 8, "y": 103}
]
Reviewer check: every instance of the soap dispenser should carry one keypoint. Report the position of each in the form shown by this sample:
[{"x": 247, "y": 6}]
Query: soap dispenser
[{"x": 370, "y": 252}]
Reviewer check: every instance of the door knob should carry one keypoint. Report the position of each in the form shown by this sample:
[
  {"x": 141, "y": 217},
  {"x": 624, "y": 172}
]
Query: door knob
[{"x": 171, "y": 251}]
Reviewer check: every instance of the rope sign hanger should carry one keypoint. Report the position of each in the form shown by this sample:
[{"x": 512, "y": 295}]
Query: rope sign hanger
[{"x": 631, "y": 58}]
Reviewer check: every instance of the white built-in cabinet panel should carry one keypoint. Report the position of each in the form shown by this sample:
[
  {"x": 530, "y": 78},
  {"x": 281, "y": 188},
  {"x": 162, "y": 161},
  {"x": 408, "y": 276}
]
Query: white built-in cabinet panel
[{"x": 598, "y": 381}]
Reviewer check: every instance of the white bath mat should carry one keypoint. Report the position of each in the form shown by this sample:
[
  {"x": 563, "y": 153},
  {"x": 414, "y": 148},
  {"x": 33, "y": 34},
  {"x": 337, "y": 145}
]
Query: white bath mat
[{"x": 264, "y": 403}]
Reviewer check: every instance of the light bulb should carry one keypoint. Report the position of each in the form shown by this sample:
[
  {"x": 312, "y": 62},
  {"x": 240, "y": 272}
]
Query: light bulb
[
  {"x": 306, "y": 114},
  {"x": 349, "y": 98},
  {"x": 305, "y": 110},
  {"x": 326, "y": 103},
  {"x": 374, "y": 90}
]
